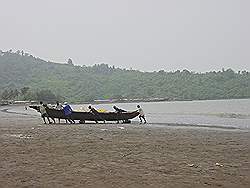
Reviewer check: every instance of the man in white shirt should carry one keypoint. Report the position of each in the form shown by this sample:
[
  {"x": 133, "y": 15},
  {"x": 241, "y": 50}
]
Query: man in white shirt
[
  {"x": 141, "y": 115},
  {"x": 59, "y": 106}
]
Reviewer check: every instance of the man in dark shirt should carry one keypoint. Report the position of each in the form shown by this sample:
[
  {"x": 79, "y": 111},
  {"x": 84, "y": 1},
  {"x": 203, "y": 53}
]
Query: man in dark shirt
[
  {"x": 68, "y": 112},
  {"x": 96, "y": 113},
  {"x": 119, "y": 110}
]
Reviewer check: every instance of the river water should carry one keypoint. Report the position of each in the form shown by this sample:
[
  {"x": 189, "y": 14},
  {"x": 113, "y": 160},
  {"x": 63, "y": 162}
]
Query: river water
[
  {"x": 226, "y": 113},
  {"x": 233, "y": 113}
]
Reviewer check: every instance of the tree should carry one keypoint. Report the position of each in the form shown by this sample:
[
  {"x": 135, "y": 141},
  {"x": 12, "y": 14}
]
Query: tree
[
  {"x": 46, "y": 95},
  {"x": 15, "y": 93},
  {"x": 5, "y": 95},
  {"x": 24, "y": 90},
  {"x": 10, "y": 94}
]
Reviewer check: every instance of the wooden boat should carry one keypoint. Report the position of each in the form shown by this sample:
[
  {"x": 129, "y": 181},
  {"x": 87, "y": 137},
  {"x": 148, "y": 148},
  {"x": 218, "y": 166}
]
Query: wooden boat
[{"x": 89, "y": 116}]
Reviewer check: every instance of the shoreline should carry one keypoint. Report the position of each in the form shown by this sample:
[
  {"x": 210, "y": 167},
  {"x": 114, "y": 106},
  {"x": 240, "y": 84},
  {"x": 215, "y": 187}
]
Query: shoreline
[
  {"x": 162, "y": 125},
  {"x": 186, "y": 100},
  {"x": 132, "y": 101},
  {"x": 120, "y": 155}
]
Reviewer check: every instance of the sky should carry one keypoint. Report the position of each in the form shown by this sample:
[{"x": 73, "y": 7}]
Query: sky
[{"x": 146, "y": 35}]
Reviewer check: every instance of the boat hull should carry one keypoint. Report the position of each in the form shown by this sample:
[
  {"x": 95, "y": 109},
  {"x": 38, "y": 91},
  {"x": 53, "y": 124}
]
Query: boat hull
[{"x": 88, "y": 116}]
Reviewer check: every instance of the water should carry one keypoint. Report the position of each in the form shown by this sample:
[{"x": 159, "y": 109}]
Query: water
[{"x": 228, "y": 113}]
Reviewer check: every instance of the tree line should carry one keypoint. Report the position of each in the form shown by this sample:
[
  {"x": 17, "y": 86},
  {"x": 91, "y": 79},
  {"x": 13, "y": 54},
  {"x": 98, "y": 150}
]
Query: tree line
[
  {"x": 26, "y": 94},
  {"x": 74, "y": 83}
]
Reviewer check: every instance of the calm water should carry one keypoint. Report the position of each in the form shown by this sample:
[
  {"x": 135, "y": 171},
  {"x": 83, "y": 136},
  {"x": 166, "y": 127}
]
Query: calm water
[{"x": 233, "y": 113}]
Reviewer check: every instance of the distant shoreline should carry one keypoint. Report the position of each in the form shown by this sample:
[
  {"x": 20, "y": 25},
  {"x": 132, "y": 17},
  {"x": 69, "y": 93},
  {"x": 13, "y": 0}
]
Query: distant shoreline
[
  {"x": 147, "y": 101},
  {"x": 127, "y": 101}
]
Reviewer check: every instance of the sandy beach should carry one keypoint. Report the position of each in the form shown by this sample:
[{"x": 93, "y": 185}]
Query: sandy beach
[{"x": 116, "y": 155}]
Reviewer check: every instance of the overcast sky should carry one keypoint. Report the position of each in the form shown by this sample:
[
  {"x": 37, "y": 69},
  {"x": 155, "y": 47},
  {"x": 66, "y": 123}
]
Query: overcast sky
[{"x": 148, "y": 35}]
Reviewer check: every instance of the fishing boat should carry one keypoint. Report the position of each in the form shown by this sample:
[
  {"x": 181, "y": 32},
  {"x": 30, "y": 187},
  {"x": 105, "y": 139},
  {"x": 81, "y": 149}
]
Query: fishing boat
[{"x": 89, "y": 116}]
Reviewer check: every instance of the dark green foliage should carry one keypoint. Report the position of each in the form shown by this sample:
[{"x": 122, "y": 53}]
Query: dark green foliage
[
  {"x": 24, "y": 90},
  {"x": 37, "y": 79},
  {"x": 24, "y": 94},
  {"x": 46, "y": 95},
  {"x": 9, "y": 94}
]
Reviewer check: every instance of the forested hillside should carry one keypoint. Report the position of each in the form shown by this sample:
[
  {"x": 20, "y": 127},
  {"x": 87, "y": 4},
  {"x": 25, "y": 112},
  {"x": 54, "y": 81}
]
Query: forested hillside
[{"x": 23, "y": 76}]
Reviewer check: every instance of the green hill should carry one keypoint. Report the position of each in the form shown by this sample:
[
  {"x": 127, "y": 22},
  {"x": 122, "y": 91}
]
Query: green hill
[{"x": 81, "y": 83}]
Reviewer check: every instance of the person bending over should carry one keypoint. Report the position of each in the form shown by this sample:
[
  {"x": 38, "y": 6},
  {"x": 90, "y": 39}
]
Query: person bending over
[
  {"x": 42, "y": 109},
  {"x": 96, "y": 113},
  {"x": 119, "y": 110},
  {"x": 141, "y": 114},
  {"x": 68, "y": 113}
]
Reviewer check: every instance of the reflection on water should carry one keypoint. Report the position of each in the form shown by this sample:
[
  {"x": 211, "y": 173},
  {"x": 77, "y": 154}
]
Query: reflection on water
[{"x": 234, "y": 113}]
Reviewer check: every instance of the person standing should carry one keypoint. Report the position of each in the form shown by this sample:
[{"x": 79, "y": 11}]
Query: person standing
[
  {"x": 141, "y": 114},
  {"x": 42, "y": 109},
  {"x": 68, "y": 112},
  {"x": 59, "y": 106}
]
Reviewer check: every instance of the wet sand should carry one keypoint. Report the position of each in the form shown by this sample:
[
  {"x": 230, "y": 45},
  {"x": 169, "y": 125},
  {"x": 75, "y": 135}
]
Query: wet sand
[{"x": 115, "y": 155}]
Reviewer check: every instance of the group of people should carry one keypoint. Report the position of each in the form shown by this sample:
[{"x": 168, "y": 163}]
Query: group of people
[
  {"x": 67, "y": 110},
  {"x": 141, "y": 113}
]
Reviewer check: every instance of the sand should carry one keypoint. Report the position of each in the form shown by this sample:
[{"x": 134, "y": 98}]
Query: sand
[{"x": 115, "y": 155}]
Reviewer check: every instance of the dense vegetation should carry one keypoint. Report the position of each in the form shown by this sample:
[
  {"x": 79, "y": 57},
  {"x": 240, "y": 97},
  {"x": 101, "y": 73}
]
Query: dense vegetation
[{"x": 24, "y": 77}]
